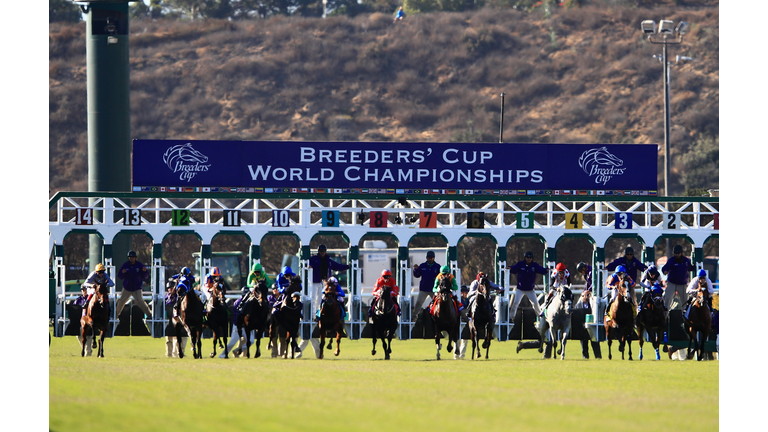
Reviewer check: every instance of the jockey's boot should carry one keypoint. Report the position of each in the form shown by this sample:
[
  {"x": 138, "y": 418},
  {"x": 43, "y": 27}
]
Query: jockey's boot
[{"x": 546, "y": 304}]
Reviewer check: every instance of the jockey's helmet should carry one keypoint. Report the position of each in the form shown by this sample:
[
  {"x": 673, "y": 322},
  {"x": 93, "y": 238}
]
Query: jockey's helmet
[
  {"x": 256, "y": 268},
  {"x": 445, "y": 269},
  {"x": 100, "y": 267},
  {"x": 132, "y": 254},
  {"x": 560, "y": 267},
  {"x": 386, "y": 272},
  {"x": 621, "y": 269},
  {"x": 581, "y": 266},
  {"x": 287, "y": 271},
  {"x": 702, "y": 273},
  {"x": 214, "y": 271},
  {"x": 333, "y": 280},
  {"x": 480, "y": 275},
  {"x": 185, "y": 271}
]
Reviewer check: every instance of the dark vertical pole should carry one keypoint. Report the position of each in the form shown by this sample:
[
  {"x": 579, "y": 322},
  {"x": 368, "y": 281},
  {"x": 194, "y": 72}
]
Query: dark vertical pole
[
  {"x": 501, "y": 123},
  {"x": 107, "y": 71}
]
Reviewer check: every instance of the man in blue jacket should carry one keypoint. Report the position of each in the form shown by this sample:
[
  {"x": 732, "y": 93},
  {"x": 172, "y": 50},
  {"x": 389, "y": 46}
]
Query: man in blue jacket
[
  {"x": 133, "y": 273},
  {"x": 629, "y": 262},
  {"x": 427, "y": 271},
  {"x": 322, "y": 269},
  {"x": 526, "y": 272},
  {"x": 677, "y": 269}
]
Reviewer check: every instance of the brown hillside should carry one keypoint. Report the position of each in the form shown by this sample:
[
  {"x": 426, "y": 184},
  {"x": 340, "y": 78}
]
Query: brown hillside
[{"x": 582, "y": 75}]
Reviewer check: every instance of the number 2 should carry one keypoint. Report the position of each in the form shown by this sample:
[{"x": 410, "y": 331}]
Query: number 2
[{"x": 671, "y": 221}]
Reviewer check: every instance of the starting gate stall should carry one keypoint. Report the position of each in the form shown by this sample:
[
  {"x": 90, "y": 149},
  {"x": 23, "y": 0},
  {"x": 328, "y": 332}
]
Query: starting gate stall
[{"x": 403, "y": 216}]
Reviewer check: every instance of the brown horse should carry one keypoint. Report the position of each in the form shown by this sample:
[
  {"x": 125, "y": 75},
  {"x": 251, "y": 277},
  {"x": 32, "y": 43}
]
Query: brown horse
[
  {"x": 330, "y": 319},
  {"x": 190, "y": 319},
  {"x": 288, "y": 317},
  {"x": 620, "y": 322},
  {"x": 384, "y": 320},
  {"x": 96, "y": 318},
  {"x": 445, "y": 318},
  {"x": 698, "y": 323},
  {"x": 254, "y": 318},
  {"x": 482, "y": 319},
  {"x": 217, "y": 319},
  {"x": 651, "y": 319}
]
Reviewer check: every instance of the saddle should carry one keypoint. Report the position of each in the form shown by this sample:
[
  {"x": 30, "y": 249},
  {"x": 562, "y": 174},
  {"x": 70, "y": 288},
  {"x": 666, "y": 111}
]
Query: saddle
[{"x": 433, "y": 306}]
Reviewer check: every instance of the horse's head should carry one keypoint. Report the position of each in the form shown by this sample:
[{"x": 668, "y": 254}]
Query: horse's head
[
  {"x": 566, "y": 298},
  {"x": 701, "y": 297}
]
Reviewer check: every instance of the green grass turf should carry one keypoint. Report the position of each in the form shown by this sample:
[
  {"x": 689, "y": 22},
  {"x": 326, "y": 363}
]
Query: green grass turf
[{"x": 136, "y": 388}]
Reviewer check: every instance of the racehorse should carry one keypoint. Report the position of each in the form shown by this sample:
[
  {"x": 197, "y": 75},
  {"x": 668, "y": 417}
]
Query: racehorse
[
  {"x": 445, "y": 318},
  {"x": 558, "y": 319},
  {"x": 288, "y": 317},
  {"x": 384, "y": 321},
  {"x": 217, "y": 319},
  {"x": 330, "y": 319},
  {"x": 620, "y": 321},
  {"x": 482, "y": 319},
  {"x": 190, "y": 319},
  {"x": 254, "y": 318},
  {"x": 698, "y": 323},
  {"x": 651, "y": 320},
  {"x": 96, "y": 318}
]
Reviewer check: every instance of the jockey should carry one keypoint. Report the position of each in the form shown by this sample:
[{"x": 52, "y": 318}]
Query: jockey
[
  {"x": 333, "y": 283},
  {"x": 385, "y": 279},
  {"x": 480, "y": 278},
  {"x": 445, "y": 272},
  {"x": 614, "y": 282},
  {"x": 185, "y": 275},
  {"x": 99, "y": 276},
  {"x": 702, "y": 281},
  {"x": 650, "y": 278},
  {"x": 283, "y": 280},
  {"x": 256, "y": 275},
  {"x": 560, "y": 278}
]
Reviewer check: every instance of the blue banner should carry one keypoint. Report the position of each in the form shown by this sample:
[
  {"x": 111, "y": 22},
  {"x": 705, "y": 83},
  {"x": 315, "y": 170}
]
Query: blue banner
[{"x": 341, "y": 166}]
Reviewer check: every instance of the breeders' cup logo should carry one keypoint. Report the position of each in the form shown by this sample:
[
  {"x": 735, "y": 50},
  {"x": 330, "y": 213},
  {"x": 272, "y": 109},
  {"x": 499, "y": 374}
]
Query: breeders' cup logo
[
  {"x": 601, "y": 164},
  {"x": 186, "y": 161}
]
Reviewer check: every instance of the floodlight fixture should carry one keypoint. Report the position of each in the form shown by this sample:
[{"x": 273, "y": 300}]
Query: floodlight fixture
[
  {"x": 682, "y": 28},
  {"x": 648, "y": 27},
  {"x": 666, "y": 27}
]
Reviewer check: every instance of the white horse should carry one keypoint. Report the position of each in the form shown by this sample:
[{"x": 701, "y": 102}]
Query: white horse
[{"x": 558, "y": 320}]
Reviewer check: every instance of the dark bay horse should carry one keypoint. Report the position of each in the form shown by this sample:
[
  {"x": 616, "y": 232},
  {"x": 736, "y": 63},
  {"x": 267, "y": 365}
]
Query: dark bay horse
[
  {"x": 651, "y": 319},
  {"x": 558, "y": 320},
  {"x": 330, "y": 319},
  {"x": 217, "y": 319},
  {"x": 190, "y": 319},
  {"x": 384, "y": 321},
  {"x": 698, "y": 323},
  {"x": 482, "y": 319},
  {"x": 254, "y": 318},
  {"x": 445, "y": 318},
  {"x": 288, "y": 317},
  {"x": 620, "y": 322},
  {"x": 96, "y": 318}
]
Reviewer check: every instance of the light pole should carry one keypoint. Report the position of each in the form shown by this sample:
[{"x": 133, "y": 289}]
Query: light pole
[{"x": 666, "y": 34}]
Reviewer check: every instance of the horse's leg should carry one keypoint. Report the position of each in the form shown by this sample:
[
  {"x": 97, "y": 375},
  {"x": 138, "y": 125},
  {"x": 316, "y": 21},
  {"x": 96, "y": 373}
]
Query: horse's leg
[
  {"x": 257, "y": 337},
  {"x": 640, "y": 341},
  {"x": 386, "y": 348},
  {"x": 562, "y": 342},
  {"x": 473, "y": 337},
  {"x": 338, "y": 343},
  {"x": 224, "y": 336},
  {"x": 629, "y": 345},
  {"x": 83, "y": 341},
  {"x": 101, "y": 341},
  {"x": 608, "y": 336},
  {"x": 436, "y": 330},
  {"x": 373, "y": 336},
  {"x": 322, "y": 343}
]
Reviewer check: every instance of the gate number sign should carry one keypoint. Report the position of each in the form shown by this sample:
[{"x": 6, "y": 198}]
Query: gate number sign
[
  {"x": 281, "y": 218},
  {"x": 180, "y": 217},
  {"x": 525, "y": 220},
  {"x": 623, "y": 221},
  {"x": 573, "y": 220},
  {"x": 378, "y": 219},
  {"x": 330, "y": 218},
  {"x": 84, "y": 216},
  {"x": 231, "y": 218},
  {"x": 132, "y": 217},
  {"x": 427, "y": 220},
  {"x": 475, "y": 219}
]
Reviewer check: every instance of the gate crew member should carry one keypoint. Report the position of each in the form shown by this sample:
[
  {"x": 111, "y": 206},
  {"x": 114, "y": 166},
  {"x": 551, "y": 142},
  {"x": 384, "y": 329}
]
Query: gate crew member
[
  {"x": 427, "y": 271},
  {"x": 526, "y": 272},
  {"x": 677, "y": 270},
  {"x": 133, "y": 273},
  {"x": 322, "y": 267}
]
